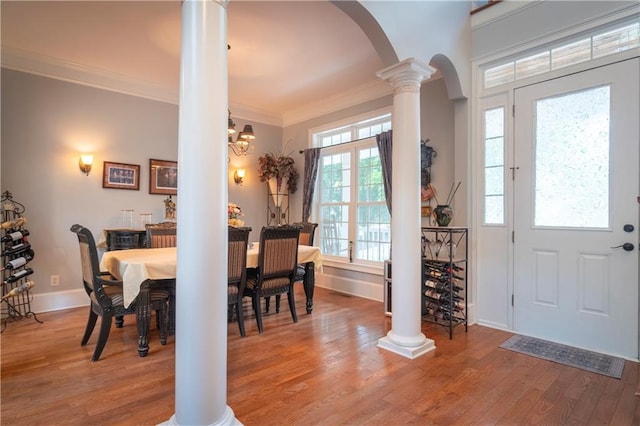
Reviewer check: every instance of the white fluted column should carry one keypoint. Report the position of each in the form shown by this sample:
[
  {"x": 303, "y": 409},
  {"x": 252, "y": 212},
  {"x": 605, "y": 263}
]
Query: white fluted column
[
  {"x": 201, "y": 299},
  {"x": 405, "y": 337}
]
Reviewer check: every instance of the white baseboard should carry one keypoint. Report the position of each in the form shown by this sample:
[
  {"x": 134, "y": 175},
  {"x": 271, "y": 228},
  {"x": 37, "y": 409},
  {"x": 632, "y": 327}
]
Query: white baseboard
[
  {"x": 59, "y": 300},
  {"x": 496, "y": 325},
  {"x": 366, "y": 290}
]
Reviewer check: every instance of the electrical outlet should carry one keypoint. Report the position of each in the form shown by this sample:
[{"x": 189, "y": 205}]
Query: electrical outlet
[{"x": 54, "y": 280}]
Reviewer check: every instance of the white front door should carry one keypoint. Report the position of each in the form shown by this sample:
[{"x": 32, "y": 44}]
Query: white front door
[{"x": 576, "y": 162}]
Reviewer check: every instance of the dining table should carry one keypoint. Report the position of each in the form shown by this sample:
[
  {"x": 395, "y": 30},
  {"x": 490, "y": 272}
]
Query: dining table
[{"x": 139, "y": 268}]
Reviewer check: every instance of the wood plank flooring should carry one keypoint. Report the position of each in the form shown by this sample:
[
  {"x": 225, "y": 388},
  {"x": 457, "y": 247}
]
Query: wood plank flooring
[{"x": 324, "y": 370}]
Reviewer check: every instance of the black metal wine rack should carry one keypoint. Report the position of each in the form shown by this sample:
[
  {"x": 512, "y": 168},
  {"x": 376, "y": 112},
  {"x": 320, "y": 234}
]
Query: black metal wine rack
[
  {"x": 444, "y": 276},
  {"x": 17, "y": 279}
]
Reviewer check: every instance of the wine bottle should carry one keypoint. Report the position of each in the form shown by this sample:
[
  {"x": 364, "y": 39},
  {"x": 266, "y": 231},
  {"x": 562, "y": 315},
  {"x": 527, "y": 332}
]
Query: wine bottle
[
  {"x": 442, "y": 287},
  {"x": 27, "y": 285},
  {"x": 14, "y": 236},
  {"x": 18, "y": 275},
  {"x": 19, "y": 261},
  {"x": 443, "y": 267},
  {"x": 17, "y": 223},
  {"x": 16, "y": 249}
]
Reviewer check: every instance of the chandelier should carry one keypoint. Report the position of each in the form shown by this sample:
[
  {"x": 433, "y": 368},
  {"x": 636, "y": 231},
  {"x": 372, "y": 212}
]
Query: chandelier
[{"x": 241, "y": 145}]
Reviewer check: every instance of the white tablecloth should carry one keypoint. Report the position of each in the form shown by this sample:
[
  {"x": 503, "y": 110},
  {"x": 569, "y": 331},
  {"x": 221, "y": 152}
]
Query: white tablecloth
[{"x": 135, "y": 266}]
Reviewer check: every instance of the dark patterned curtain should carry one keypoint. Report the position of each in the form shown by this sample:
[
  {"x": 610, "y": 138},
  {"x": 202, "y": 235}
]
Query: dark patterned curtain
[
  {"x": 311, "y": 158},
  {"x": 385, "y": 146}
]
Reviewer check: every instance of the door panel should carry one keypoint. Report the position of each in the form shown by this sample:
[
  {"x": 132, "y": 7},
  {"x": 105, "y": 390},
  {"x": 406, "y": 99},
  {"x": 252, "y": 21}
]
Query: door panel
[{"x": 577, "y": 157}]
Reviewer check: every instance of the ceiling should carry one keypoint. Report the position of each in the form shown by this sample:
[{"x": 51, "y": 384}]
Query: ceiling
[{"x": 285, "y": 55}]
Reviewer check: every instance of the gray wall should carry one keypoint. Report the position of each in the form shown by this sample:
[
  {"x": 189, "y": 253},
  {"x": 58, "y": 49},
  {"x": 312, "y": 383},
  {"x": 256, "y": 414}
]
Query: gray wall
[{"x": 47, "y": 122}]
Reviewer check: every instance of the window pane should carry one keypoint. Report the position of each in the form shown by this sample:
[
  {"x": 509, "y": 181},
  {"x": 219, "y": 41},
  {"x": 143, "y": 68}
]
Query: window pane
[
  {"x": 334, "y": 230},
  {"x": 373, "y": 234},
  {"x": 493, "y": 152},
  {"x": 617, "y": 40},
  {"x": 335, "y": 178},
  {"x": 493, "y": 209},
  {"x": 499, "y": 75},
  {"x": 532, "y": 65},
  {"x": 572, "y": 160},
  {"x": 570, "y": 54},
  {"x": 494, "y": 181},
  {"x": 370, "y": 187},
  {"x": 494, "y": 123}
]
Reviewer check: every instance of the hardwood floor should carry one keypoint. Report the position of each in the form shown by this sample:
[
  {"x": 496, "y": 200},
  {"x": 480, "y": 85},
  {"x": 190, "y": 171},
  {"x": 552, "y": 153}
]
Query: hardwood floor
[{"x": 324, "y": 370}]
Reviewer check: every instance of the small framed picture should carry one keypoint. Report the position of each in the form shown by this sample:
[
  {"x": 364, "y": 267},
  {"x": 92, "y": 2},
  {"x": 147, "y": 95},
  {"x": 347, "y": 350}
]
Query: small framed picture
[
  {"x": 163, "y": 177},
  {"x": 121, "y": 176}
]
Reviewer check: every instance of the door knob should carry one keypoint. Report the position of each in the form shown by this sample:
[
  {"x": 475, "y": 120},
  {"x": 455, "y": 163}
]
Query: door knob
[{"x": 625, "y": 246}]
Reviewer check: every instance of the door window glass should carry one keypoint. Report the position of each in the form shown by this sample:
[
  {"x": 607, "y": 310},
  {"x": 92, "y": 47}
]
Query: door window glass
[{"x": 572, "y": 160}]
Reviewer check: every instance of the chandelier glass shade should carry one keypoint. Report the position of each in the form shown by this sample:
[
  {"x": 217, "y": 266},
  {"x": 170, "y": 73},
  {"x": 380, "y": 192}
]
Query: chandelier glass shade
[{"x": 242, "y": 143}]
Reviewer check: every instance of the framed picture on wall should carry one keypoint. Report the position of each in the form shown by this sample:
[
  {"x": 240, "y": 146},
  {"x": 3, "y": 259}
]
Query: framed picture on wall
[
  {"x": 163, "y": 177},
  {"x": 121, "y": 175}
]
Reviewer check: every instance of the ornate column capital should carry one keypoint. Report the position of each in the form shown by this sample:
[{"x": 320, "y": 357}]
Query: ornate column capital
[{"x": 406, "y": 76}]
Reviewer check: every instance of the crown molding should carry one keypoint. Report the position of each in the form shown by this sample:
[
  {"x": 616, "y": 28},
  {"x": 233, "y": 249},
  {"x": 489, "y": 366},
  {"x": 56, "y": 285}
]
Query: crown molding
[
  {"x": 250, "y": 113},
  {"x": 366, "y": 92},
  {"x": 59, "y": 69}
]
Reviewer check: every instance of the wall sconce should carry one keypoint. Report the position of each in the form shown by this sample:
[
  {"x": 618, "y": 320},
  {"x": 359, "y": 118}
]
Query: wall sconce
[
  {"x": 86, "y": 160},
  {"x": 238, "y": 176}
]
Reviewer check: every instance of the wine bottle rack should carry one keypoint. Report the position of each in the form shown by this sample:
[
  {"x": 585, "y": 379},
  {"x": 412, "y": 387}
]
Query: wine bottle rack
[
  {"x": 17, "y": 253},
  {"x": 444, "y": 276}
]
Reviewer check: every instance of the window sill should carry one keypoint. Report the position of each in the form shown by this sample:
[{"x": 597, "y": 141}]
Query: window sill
[{"x": 356, "y": 267}]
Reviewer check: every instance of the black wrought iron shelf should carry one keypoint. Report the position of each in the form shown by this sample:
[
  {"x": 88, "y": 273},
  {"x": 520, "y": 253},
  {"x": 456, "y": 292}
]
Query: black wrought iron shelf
[
  {"x": 17, "y": 254},
  {"x": 445, "y": 276}
]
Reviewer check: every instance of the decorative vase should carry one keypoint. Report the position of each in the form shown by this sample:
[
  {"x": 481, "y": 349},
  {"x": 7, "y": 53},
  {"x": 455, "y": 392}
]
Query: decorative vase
[
  {"x": 275, "y": 190},
  {"x": 443, "y": 215}
]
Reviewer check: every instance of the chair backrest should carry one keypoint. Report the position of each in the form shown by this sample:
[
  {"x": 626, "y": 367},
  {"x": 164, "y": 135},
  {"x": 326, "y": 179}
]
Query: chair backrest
[
  {"x": 278, "y": 253},
  {"x": 237, "y": 265},
  {"x": 90, "y": 266},
  {"x": 307, "y": 232},
  {"x": 162, "y": 235}
]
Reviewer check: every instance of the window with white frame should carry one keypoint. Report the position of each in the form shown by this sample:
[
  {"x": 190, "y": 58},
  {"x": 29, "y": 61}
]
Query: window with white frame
[
  {"x": 601, "y": 43},
  {"x": 354, "y": 222}
]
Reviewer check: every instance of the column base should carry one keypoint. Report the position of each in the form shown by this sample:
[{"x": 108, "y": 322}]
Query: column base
[
  {"x": 410, "y": 352},
  {"x": 228, "y": 419}
]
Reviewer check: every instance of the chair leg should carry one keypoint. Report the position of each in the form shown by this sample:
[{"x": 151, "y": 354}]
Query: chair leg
[
  {"x": 277, "y": 303},
  {"x": 163, "y": 322},
  {"x": 240, "y": 317},
  {"x": 267, "y": 302},
  {"x": 292, "y": 305},
  {"x": 91, "y": 323},
  {"x": 105, "y": 328},
  {"x": 258, "y": 311}
]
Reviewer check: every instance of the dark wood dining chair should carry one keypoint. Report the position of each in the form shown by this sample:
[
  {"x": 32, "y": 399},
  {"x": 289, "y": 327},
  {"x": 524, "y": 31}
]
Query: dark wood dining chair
[
  {"x": 107, "y": 300},
  {"x": 307, "y": 232},
  {"x": 161, "y": 234},
  {"x": 237, "y": 272},
  {"x": 276, "y": 272}
]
